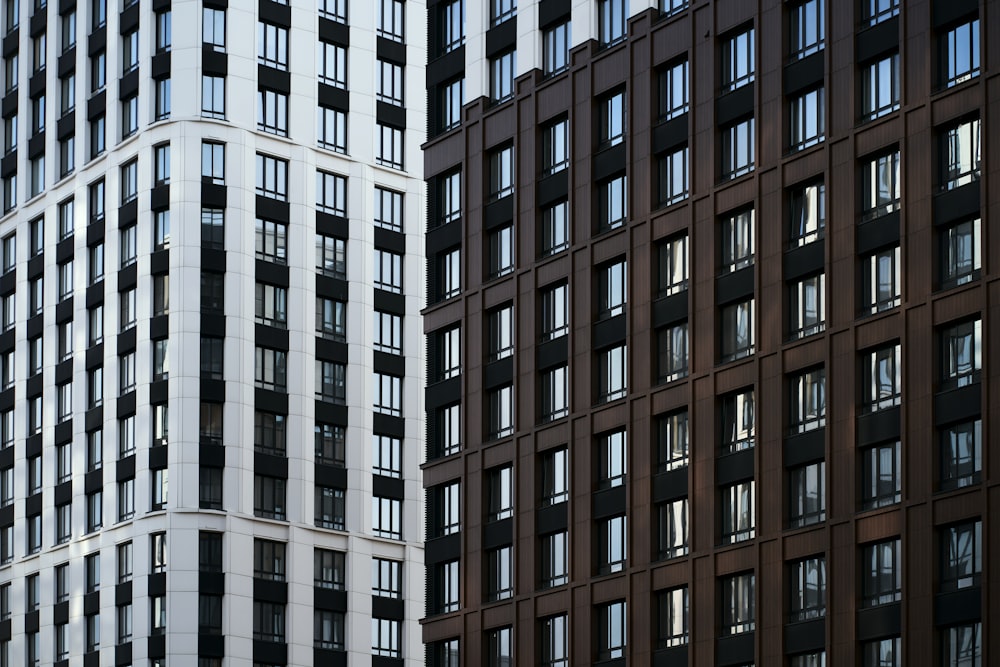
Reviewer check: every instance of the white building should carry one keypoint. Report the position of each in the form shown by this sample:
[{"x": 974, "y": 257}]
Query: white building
[{"x": 211, "y": 350}]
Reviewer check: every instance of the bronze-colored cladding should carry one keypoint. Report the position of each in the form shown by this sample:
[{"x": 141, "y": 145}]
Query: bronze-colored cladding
[{"x": 914, "y": 129}]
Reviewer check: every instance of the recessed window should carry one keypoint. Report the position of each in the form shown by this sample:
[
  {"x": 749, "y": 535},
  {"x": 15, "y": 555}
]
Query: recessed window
[
  {"x": 672, "y": 91},
  {"x": 880, "y": 87},
  {"x": 328, "y": 569},
  {"x": 738, "y": 61},
  {"x": 555, "y": 228},
  {"x": 672, "y": 441},
  {"x": 738, "y": 148},
  {"x": 612, "y": 373},
  {"x": 807, "y": 494},
  {"x": 555, "y": 476},
  {"x": 613, "y": 544},
  {"x": 671, "y": 528},
  {"x": 612, "y": 203},
  {"x": 390, "y": 20},
  {"x": 612, "y": 289},
  {"x": 272, "y": 112},
  {"x": 672, "y": 177},
  {"x": 672, "y": 352},
  {"x": 452, "y": 25},
  {"x": 501, "y": 412},
  {"x": 738, "y": 513},
  {"x": 272, "y": 45},
  {"x": 389, "y": 83},
  {"x": 555, "y": 559},
  {"x": 449, "y": 190},
  {"x": 500, "y": 493},
  {"x": 961, "y": 555},
  {"x": 555, "y": 393},
  {"x": 807, "y": 584},
  {"x": 807, "y": 205},
  {"x": 962, "y": 644},
  {"x": 500, "y": 574},
  {"x": 387, "y": 455},
  {"x": 959, "y": 52},
  {"x": 555, "y": 641},
  {"x": 501, "y": 10},
  {"x": 961, "y": 354},
  {"x": 672, "y": 608},
  {"x": 807, "y": 119},
  {"x": 881, "y": 575},
  {"x": 961, "y": 448},
  {"x": 738, "y": 604},
  {"x": 213, "y": 96},
  {"x": 503, "y": 69},
  {"x": 501, "y": 333},
  {"x": 555, "y": 147},
  {"x": 612, "y": 21},
  {"x": 555, "y": 49},
  {"x": 807, "y": 28},
  {"x": 331, "y": 129},
  {"x": 807, "y": 394},
  {"x": 388, "y": 331},
  {"x": 331, "y": 193},
  {"x": 877, "y": 11},
  {"x": 960, "y": 253},
  {"x": 500, "y": 243},
  {"x": 387, "y": 517},
  {"x": 960, "y": 154},
  {"x": 501, "y": 166},
  {"x": 389, "y": 151},
  {"x": 272, "y": 177},
  {"x": 331, "y": 382},
  {"x": 330, "y": 444},
  {"x": 388, "y": 271},
  {"x": 446, "y": 587},
  {"x": 881, "y": 475},
  {"x": 881, "y": 273},
  {"x": 737, "y": 333},
  {"x": 882, "y": 381},
  {"x": 214, "y": 28},
  {"x": 452, "y": 99},
  {"x": 612, "y": 454},
  {"x": 807, "y": 306},
  {"x": 332, "y": 64},
  {"x": 387, "y": 578},
  {"x": 612, "y": 631}
]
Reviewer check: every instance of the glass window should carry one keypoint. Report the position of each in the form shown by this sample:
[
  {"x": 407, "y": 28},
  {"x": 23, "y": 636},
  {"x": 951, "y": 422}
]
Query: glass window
[
  {"x": 503, "y": 69},
  {"x": 807, "y": 119},
  {"x": 612, "y": 631},
  {"x": 501, "y": 412},
  {"x": 881, "y": 580},
  {"x": 389, "y": 83},
  {"x": 388, "y": 332},
  {"x": 738, "y": 148},
  {"x": 807, "y": 394},
  {"x": 960, "y": 253},
  {"x": 555, "y": 641},
  {"x": 672, "y": 441},
  {"x": 807, "y": 204},
  {"x": 331, "y": 193},
  {"x": 737, "y": 240},
  {"x": 387, "y": 578},
  {"x": 555, "y": 476},
  {"x": 555, "y": 49},
  {"x": 213, "y": 96},
  {"x": 738, "y": 514},
  {"x": 500, "y": 574},
  {"x": 500, "y": 493},
  {"x": 390, "y": 20},
  {"x": 389, "y": 271},
  {"x": 452, "y": 101},
  {"x": 386, "y": 517},
  {"x": 272, "y": 177},
  {"x": 387, "y": 455},
  {"x": 501, "y": 173},
  {"x": 807, "y": 494},
  {"x": 500, "y": 244},
  {"x": 213, "y": 162},
  {"x": 330, "y": 510},
  {"x": 961, "y": 354},
  {"x": 962, "y": 645},
  {"x": 331, "y": 129},
  {"x": 881, "y": 475},
  {"x": 330, "y": 444},
  {"x": 270, "y": 240},
  {"x": 501, "y": 333},
  {"x": 738, "y": 61},
  {"x": 808, "y": 589},
  {"x": 555, "y": 559},
  {"x": 876, "y": 11},
  {"x": 332, "y": 64},
  {"x": 272, "y": 45},
  {"x": 612, "y": 203},
  {"x": 738, "y": 607},
  {"x": 555, "y": 393},
  {"x": 960, "y": 53},
  {"x": 806, "y": 23},
  {"x": 961, "y": 555},
  {"x": 214, "y": 28},
  {"x": 555, "y": 147},
  {"x": 672, "y": 177},
  {"x": 612, "y": 21},
  {"x": 672, "y": 528},
  {"x": 446, "y": 590},
  {"x": 269, "y": 497},
  {"x": 272, "y": 112},
  {"x": 960, "y": 154},
  {"x": 737, "y": 330},
  {"x": 961, "y": 454},
  {"x": 883, "y": 384},
  {"x": 672, "y": 90},
  {"x": 881, "y": 272},
  {"x": 269, "y": 560},
  {"x": 388, "y": 394},
  {"x": 328, "y": 569},
  {"x": 452, "y": 25},
  {"x": 612, "y": 374},
  {"x": 450, "y": 197},
  {"x": 672, "y": 617},
  {"x": 555, "y": 228},
  {"x": 611, "y": 289},
  {"x": 880, "y": 87},
  {"x": 672, "y": 352},
  {"x": 807, "y": 306}
]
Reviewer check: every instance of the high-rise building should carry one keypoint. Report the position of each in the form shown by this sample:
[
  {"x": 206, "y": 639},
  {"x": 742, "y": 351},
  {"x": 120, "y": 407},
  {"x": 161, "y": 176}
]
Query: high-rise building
[
  {"x": 708, "y": 332},
  {"x": 211, "y": 403}
]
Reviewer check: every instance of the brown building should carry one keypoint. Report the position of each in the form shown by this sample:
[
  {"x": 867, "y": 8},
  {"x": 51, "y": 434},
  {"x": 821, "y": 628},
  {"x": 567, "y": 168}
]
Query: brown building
[{"x": 708, "y": 327}]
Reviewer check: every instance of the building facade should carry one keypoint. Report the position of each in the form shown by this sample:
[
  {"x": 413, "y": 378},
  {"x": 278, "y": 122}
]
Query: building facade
[
  {"x": 211, "y": 413},
  {"x": 709, "y": 339}
]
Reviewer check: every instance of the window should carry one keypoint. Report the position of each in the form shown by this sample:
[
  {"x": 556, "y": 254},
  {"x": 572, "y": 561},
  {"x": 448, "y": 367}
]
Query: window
[
  {"x": 9, "y": 252},
  {"x": 449, "y": 273},
  {"x": 212, "y": 356},
  {"x": 555, "y": 393},
  {"x": 672, "y": 91},
  {"x": 331, "y": 193},
  {"x": 612, "y": 18},
  {"x": 961, "y": 454},
  {"x": 808, "y": 589},
  {"x": 330, "y": 444},
  {"x": 331, "y": 256},
  {"x": 388, "y": 332},
  {"x": 67, "y": 94},
  {"x": 335, "y": 10},
  {"x": 501, "y": 412},
  {"x": 452, "y": 25},
  {"x": 961, "y": 354},
  {"x": 163, "y": 31},
  {"x": 270, "y": 240},
  {"x": 501, "y": 173},
  {"x": 269, "y": 497},
  {"x": 555, "y": 559},
  {"x": 672, "y": 352},
  {"x": 877, "y": 11},
  {"x": 449, "y": 425},
  {"x": 328, "y": 630},
  {"x": 500, "y": 493},
  {"x": 92, "y": 573},
  {"x": 36, "y": 238},
  {"x": 447, "y": 587},
  {"x": 11, "y": 69},
  {"x": 737, "y": 330},
  {"x": 881, "y": 475},
  {"x": 959, "y": 53},
  {"x": 883, "y": 384},
  {"x": 807, "y": 27},
  {"x": 272, "y": 45},
  {"x": 387, "y": 456},
  {"x": 672, "y": 441},
  {"x": 331, "y": 382},
  {"x": 612, "y": 632},
  {"x": 881, "y": 272},
  {"x": 672, "y": 528},
  {"x": 880, "y": 87},
  {"x": 268, "y": 621},
  {"x": 9, "y": 192},
  {"x": 672, "y": 617},
  {"x": 213, "y": 162},
  {"x": 332, "y": 64},
  {"x": 499, "y": 647},
  {"x": 126, "y": 500},
  {"x": 214, "y": 28},
  {"x": 807, "y": 393},
  {"x": 881, "y": 580},
  {"x": 158, "y": 552},
  {"x": 555, "y": 228},
  {"x": 329, "y": 508},
  {"x": 209, "y": 615},
  {"x": 738, "y": 60},
  {"x": 962, "y": 645},
  {"x": 64, "y": 402},
  {"x": 328, "y": 569},
  {"x": 124, "y": 623},
  {"x": 613, "y": 544},
  {"x": 960, "y": 254},
  {"x": 501, "y": 251},
  {"x": 213, "y": 96},
  {"x": 390, "y": 20},
  {"x": 64, "y": 462},
  {"x": 212, "y": 295},
  {"x": 269, "y": 560},
  {"x": 389, "y": 152},
  {"x": 738, "y": 604},
  {"x": 162, "y": 98},
  {"x": 807, "y": 494},
  {"x": 126, "y": 373},
  {"x": 555, "y": 147},
  {"x": 272, "y": 112},
  {"x": 388, "y": 394},
  {"x": 960, "y": 154},
  {"x": 270, "y": 368},
  {"x": 737, "y": 240},
  {"x": 34, "y": 414},
  {"x": 130, "y": 52},
  {"x": 501, "y": 332},
  {"x": 555, "y": 49},
  {"x": 501, "y": 10},
  {"x": 272, "y": 177},
  {"x": 65, "y": 280},
  {"x": 92, "y": 632},
  {"x": 389, "y": 83},
  {"x": 961, "y": 555},
  {"x": 807, "y": 119},
  {"x": 450, "y": 197},
  {"x": 555, "y": 641},
  {"x": 38, "y": 52},
  {"x": 331, "y": 129},
  {"x": 270, "y": 305},
  {"x": 500, "y": 574},
  {"x": 555, "y": 476},
  {"x": 612, "y": 290},
  {"x": 269, "y": 433},
  {"x": 612, "y": 203},
  {"x": 612, "y": 370},
  {"x": 808, "y": 208},
  {"x": 210, "y": 479},
  {"x": 388, "y": 271},
  {"x": 503, "y": 69},
  {"x": 34, "y": 534},
  {"x": 331, "y": 319},
  {"x": 449, "y": 353},
  {"x": 738, "y": 515},
  {"x": 738, "y": 148}
]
